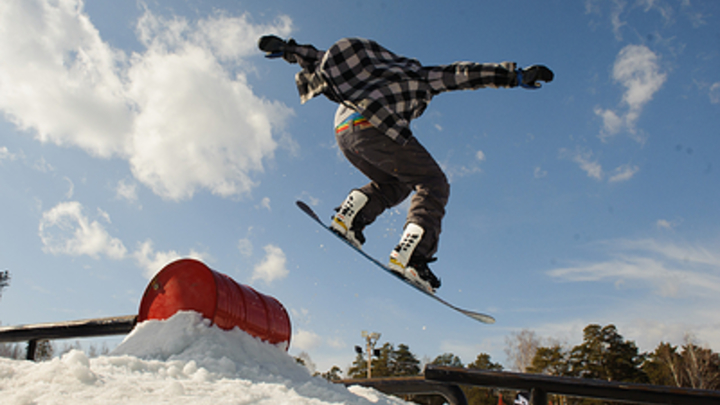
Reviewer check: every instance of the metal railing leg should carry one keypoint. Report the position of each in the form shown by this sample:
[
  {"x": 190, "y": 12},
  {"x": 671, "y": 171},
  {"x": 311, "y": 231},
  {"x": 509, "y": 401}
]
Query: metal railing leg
[
  {"x": 538, "y": 396},
  {"x": 31, "y": 349}
]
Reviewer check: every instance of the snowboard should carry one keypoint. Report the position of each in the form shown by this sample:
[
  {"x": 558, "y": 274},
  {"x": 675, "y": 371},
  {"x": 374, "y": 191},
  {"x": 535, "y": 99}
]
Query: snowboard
[{"x": 472, "y": 314}]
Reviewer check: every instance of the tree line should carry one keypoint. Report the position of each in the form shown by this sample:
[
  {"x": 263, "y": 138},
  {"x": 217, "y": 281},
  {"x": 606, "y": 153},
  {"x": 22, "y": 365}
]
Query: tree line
[
  {"x": 606, "y": 355},
  {"x": 603, "y": 354}
]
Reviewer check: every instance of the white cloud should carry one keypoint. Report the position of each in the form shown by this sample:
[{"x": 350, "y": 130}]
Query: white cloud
[
  {"x": 664, "y": 224},
  {"x": 59, "y": 79},
  {"x": 305, "y": 340},
  {"x": 612, "y": 123},
  {"x": 272, "y": 267},
  {"x": 615, "y": 18},
  {"x": 308, "y": 198},
  {"x": 43, "y": 166},
  {"x": 664, "y": 9},
  {"x": 618, "y": 7},
  {"x": 126, "y": 190},
  {"x": 180, "y": 112},
  {"x": 5, "y": 154},
  {"x": 539, "y": 173},
  {"x": 697, "y": 19},
  {"x": 152, "y": 262},
  {"x": 619, "y": 10},
  {"x": 245, "y": 247},
  {"x": 591, "y": 166},
  {"x": 668, "y": 225},
  {"x": 593, "y": 169},
  {"x": 623, "y": 173},
  {"x": 71, "y": 188},
  {"x": 454, "y": 172},
  {"x": 715, "y": 93},
  {"x": 265, "y": 204},
  {"x": 584, "y": 160},
  {"x": 591, "y": 7},
  {"x": 300, "y": 316},
  {"x": 64, "y": 229},
  {"x": 636, "y": 68},
  {"x": 686, "y": 254},
  {"x": 671, "y": 269},
  {"x": 336, "y": 343}
]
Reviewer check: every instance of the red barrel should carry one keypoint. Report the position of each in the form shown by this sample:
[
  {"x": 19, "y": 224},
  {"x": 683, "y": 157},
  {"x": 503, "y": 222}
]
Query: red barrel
[{"x": 189, "y": 285}]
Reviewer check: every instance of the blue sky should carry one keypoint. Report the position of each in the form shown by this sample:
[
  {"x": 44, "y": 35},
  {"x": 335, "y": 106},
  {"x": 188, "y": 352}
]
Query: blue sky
[{"x": 136, "y": 133}]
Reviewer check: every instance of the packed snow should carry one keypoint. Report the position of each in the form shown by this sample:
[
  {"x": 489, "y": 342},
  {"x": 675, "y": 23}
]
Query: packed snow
[{"x": 183, "y": 360}]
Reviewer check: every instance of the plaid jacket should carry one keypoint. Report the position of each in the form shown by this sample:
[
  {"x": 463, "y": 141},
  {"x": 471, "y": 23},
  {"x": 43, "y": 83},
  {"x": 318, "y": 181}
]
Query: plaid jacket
[{"x": 387, "y": 89}]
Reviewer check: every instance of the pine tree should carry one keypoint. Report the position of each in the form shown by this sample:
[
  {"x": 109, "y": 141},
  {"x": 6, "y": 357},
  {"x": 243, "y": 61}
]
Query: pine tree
[
  {"x": 448, "y": 360},
  {"x": 664, "y": 366},
  {"x": 483, "y": 362},
  {"x": 404, "y": 362},
  {"x": 304, "y": 359},
  {"x": 551, "y": 360},
  {"x": 44, "y": 350},
  {"x": 10, "y": 351},
  {"x": 4, "y": 280},
  {"x": 383, "y": 363},
  {"x": 605, "y": 355},
  {"x": 483, "y": 396},
  {"x": 334, "y": 374},
  {"x": 358, "y": 369}
]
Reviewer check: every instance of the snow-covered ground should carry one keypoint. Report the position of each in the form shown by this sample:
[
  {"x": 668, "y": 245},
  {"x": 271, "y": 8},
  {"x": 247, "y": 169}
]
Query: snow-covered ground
[{"x": 179, "y": 361}]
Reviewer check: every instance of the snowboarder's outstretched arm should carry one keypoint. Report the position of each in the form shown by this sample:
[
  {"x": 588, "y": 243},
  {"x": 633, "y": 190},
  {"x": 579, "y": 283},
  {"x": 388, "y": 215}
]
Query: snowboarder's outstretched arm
[
  {"x": 455, "y": 76},
  {"x": 472, "y": 76},
  {"x": 307, "y": 56}
]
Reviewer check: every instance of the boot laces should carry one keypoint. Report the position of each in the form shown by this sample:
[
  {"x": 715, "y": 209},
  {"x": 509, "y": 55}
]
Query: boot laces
[{"x": 357, "y": 226}]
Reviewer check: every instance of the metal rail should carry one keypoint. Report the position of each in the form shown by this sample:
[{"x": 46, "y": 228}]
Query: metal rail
[
  {"x": 412, "y": 386},
  {"x": 117, "y": 325},
  {"x": 541, "y": 385}
]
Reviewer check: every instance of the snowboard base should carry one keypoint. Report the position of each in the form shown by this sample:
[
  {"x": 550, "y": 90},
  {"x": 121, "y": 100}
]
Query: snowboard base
[{"x": 484, "y": 318}]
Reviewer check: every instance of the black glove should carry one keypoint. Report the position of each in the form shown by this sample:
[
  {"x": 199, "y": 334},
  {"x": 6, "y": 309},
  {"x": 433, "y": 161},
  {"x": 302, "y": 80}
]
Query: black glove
[
  {"x": 274, "y": 47},
  {"x": 529, "y": 77}
]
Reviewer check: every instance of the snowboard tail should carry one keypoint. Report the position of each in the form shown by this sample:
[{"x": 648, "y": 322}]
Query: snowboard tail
[{"x": 484, "y": 318}]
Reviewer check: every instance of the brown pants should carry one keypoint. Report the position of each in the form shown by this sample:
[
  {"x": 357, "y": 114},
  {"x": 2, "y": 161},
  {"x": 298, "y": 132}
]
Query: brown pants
[{"x": 395, "y": 171}]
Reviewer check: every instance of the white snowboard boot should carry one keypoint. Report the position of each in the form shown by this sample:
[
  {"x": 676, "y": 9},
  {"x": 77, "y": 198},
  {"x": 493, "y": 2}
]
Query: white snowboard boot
[
  {"x": 343, "y": 221},
  {"x": 413, "y": 267}
]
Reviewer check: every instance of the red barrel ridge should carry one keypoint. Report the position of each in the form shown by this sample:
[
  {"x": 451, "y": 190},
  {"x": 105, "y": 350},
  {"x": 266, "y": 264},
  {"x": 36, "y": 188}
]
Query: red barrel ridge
[{"x": 189, "y": 285}]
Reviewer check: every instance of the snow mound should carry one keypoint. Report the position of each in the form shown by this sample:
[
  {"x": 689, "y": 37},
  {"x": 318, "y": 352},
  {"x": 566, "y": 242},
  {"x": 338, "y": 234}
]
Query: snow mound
[{"x": 182, "y": 360}]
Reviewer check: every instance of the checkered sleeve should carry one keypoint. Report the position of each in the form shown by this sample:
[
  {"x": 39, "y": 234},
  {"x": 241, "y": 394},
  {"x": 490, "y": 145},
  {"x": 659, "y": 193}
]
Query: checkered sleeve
[
  {"x": 307, "y": 56},
  {"x": 471, "y": 76}
]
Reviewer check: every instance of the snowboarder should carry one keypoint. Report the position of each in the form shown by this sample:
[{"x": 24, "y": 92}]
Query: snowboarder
[{"x": 379, "y": 93}]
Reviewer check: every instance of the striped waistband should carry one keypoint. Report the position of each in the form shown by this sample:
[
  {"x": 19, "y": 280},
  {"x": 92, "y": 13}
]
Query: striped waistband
[{"x": 355, "y": 120}]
